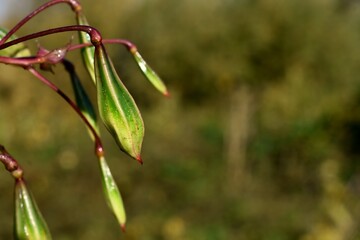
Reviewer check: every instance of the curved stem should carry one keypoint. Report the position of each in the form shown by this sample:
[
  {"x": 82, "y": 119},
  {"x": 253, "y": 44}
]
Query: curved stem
[
  {"x": 75, "y": 5},
  {"x": 94, "y": 34},
  {"x": 99, "y": 151},
  {"x": 36, "y": 60},
  {"x": 22, "y": 61},
  {"x": 10, "y": 163},
  {"x": 129, "y": 45}
]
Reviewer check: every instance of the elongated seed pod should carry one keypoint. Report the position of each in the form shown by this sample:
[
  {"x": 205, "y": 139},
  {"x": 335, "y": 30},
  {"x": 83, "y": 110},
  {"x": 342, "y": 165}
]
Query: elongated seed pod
[
  {"x": 87, "y": 53},
  {"x": 81, "y": 97},
  {"x": 117, "y": 107},
  {"x": 29, "y": 223},
  {"x": 148, "y": 72},
  {"x": 112, "y": 193}
]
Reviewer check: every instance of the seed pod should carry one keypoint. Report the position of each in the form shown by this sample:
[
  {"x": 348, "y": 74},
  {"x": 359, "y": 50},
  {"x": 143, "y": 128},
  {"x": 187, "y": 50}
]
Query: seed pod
[
  {"x": 29, "y": 223},
  {"x": 18, "y": 50},
  {"x": 112, "y": 193},
  {"x": 87, "y": 53},
  {"x": 117, "y": 108},
  {"x": 149, "y": 73},
  {"x": 81, "y": 97}
]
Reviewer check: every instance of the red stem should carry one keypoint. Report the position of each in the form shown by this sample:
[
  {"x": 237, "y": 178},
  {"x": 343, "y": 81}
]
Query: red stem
[
  {"x": 75, "y": 5},
  {"x": 129, "y": 45},
  {"x": 10, "y": 163},
  {"x": 27, "y": 61},
  {"x": 98, "y": 145},
  {"x": 22, "y": 61},
  {"x": 95, "y": 35}
]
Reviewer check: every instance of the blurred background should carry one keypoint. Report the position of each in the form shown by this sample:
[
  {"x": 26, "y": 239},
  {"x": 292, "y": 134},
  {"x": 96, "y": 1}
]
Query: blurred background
[{"x": 259, "y": 139}]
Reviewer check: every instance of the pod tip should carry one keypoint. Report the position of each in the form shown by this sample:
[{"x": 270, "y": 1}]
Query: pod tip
[
  {"x": 138, "y": 158},
  {"x": 167, "y": 94},
  {"x": 123, "y": 227}
]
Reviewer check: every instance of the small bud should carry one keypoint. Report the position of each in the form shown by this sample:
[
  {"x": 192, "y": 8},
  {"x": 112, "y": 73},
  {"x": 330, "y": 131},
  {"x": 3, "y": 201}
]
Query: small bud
[
  {"x": 50, "y": 58},
  {"x": 55, "y": 56},
  {"x": 149, "y": 73},
  {"x": 112, "y": 193},
  {"x": 29, "y": 223},
  {"x": 87, "y": 53},
  {"x": 117, "y": 108}
]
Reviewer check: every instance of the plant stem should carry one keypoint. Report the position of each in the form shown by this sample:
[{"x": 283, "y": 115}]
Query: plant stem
[
  {"x": 94, "y": 34},
  {"x": 129, "y": 45},
  {"x": 36, "y": 60},
  {"x": 10, "y": 163},
  {"x": 99, "y": 151},
  {"x": 75, "y": 5},
  {"x": 22, "y": 61}
]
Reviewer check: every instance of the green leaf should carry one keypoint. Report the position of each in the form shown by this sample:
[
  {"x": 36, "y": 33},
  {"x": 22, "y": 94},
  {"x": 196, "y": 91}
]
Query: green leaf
[
  {"x": 87, "y": 53},
  {"x": 29, "y": 223},
  {"x": 117, "y": 108},
  {"x": 149, "y": 73},
  {"x": 18, "y": 50},
  {"x": 112, "y": 193}
]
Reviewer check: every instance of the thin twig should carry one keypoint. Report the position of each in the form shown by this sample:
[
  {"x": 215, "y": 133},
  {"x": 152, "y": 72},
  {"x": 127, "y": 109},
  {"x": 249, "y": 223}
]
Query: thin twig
[
  {"x": 99, "y": 151},
  {"x": 75, "y": 5}
]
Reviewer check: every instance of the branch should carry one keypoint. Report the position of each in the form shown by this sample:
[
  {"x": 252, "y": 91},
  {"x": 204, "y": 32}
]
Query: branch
[
  {"x": 10, "y": 163},
  {"x": 95, "y": 35},
  {"x": 99, "y": 151},
  {"x": 75, "y": 5}
]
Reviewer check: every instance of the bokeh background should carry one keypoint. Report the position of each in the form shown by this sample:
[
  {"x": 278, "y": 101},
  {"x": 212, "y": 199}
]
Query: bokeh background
[{"x": 259, "y": 139}]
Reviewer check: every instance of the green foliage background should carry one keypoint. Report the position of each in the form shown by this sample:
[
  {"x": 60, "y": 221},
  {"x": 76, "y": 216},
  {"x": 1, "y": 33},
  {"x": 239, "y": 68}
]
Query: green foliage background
[{"x": 259, "y": 139}]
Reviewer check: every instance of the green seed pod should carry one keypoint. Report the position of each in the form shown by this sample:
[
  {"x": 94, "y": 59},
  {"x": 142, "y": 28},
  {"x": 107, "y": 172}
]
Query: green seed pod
[
  {"x": 149, "y": 73},
  {"x": 18, "y": 50},
  {"x": 29, "y": 223},
  {"x": 112, "y": 193},
  {"x": 117, "y": 108},
  {"x": 81, "y": 97},
  {"x": 87, "y": 53}
]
